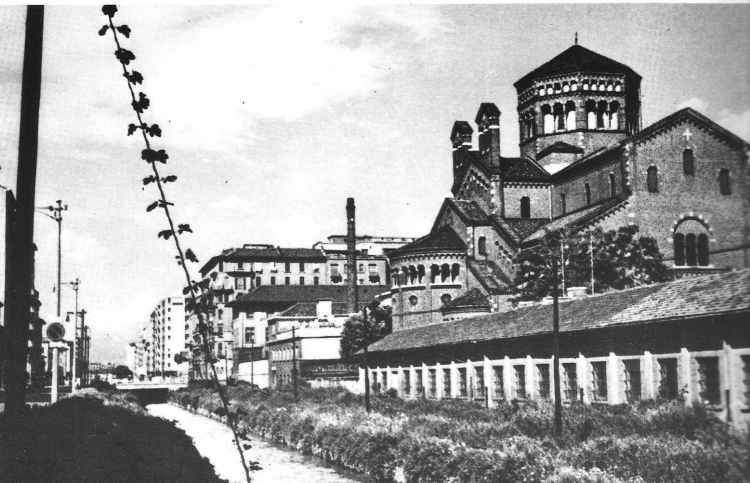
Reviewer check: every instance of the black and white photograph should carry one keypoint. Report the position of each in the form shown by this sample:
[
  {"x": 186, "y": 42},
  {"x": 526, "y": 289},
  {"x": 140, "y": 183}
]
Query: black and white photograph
[{"x": 376, "y": 243}]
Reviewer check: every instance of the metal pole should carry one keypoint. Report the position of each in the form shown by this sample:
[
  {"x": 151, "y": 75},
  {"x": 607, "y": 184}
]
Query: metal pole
[
  {"x": 367, "y": 369},
  {"x": 58, "y": 218},
  {"x": 556, "y": 358},
  {"x": 20, "y": 271},
  {"x": 74, "y": 353},
  {"x": 294, "y": 363},
  {"x": 55, "y": 363}
]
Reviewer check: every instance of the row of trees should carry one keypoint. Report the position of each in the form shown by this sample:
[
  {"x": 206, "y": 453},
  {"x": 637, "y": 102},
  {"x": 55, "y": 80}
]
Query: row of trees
[{"x": 599, "y": 260}]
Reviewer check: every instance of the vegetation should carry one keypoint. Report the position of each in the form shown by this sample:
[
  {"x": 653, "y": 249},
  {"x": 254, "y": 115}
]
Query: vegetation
[
  {"x": 354, "y": 337},
  {"x": 620, "y": 260},
  {"x": 456, "y": 441},
  {"x": 101, "y": 438}
]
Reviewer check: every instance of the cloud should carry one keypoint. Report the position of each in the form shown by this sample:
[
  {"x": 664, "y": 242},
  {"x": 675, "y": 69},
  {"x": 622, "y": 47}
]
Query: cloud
[
  {"x": 694, "y": 103},
  {"x": 738, "y": 124}
]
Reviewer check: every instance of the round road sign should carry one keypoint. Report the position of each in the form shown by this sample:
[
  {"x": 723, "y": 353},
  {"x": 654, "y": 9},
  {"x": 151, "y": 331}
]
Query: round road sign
[{"x": 55, "y": 332}]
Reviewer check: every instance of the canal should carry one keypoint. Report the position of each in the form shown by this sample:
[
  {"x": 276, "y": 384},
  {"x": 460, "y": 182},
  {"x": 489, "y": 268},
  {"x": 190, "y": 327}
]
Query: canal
[{"x": 213, "y": 440}]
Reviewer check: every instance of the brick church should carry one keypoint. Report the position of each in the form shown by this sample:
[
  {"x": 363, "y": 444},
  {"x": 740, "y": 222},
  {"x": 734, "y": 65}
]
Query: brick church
[{"x": 585, "y": 163}]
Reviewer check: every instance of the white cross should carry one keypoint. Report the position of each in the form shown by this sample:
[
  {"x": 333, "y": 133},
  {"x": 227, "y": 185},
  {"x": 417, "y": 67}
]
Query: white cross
[{"x": 687, "y": 134}]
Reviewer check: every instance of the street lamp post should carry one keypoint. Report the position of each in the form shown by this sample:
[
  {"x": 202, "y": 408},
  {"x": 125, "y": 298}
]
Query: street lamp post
[{"x": 75, "y": 285}]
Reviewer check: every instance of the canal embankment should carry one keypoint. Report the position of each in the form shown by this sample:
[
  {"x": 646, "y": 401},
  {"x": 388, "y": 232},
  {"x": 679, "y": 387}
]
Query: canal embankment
[{"x": 423, "y": 441}]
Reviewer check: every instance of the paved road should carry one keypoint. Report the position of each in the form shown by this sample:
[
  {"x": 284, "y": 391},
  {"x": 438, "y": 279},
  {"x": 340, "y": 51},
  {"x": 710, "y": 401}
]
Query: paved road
[{"x": 214, "y": 441}]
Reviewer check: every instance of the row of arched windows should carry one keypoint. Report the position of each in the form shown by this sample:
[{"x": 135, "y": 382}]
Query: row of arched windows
[
  {"x": 415, "y": 275},
  {"x": 652, "y": 177},
  {"x": 690, "y": 249},
  {"x": 586, "y": 85},
  {"x": 560, "y": 117}
]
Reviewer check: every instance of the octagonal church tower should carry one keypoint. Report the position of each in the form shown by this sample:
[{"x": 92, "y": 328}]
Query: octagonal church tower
[{"x": 576, "y": 103}]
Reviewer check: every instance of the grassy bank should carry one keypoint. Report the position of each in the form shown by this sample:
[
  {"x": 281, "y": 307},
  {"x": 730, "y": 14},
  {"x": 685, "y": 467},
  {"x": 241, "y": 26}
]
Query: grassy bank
[
  {"x": 99, "y": 438},
  {"x": 454, "y": 441}
]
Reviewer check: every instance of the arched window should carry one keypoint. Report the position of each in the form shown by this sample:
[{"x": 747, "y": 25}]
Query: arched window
[
  {"x": 570, "y": 115},
  {"x": 482, "y": 245},
  {"x": 549, "y": 122},
  {"x": 413, "y": 275},
  {"x": 613, "y": 119},
  {"x": 562, "y": 203},
  {"x": 559, "y": 116},
  {"x": 724, "y": 187},
  {"x": 445, "y": 273},
  {"x": 587, "y": 188},
  {"x": 404, "y": 275},
  {"x": 612, "y": 185},
  {"x": 652, "y": 180},
  {"x": 455, "y": 272},
  {"x": 316, "y": 280},
  {"x": 420, "y": 274},
  {"x": 525, "y": 207},
  {"x": 679, "y": 249},
  {"x": 703, "y": 250},
  {"x": 691, "y": 250},
  {"x": 590, "y": 114},
  {"x": 602, "y": 115},
  {"x": 688, "y": 163},
  {"x": 434, "y": 273}
]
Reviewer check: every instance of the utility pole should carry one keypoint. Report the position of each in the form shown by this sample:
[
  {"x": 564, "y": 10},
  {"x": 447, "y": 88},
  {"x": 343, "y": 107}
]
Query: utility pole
[
  {"x": 556, "y": 358},
  {"x": 81, "y": 351},
  {"x": 75, "y": 285},
  {"x": 367, "y": 369},
  {"x": 20, "y": 263},
  {"x": 294, "y": 363},
  {"x": 57, "y": 216}
]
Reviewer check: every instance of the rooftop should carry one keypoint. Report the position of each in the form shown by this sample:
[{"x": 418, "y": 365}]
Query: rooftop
[
  {"x": 689, "y": 298},
  {"x": 306, "y": 293}
]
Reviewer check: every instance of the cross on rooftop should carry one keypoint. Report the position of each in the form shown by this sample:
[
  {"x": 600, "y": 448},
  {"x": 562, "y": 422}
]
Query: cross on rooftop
[{"x": 687, "y": 134}]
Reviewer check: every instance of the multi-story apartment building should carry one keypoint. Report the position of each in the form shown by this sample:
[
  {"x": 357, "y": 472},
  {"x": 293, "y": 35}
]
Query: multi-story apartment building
[
  {"x": 162, "y": 339},
  {"x": 372, "y": 262}
]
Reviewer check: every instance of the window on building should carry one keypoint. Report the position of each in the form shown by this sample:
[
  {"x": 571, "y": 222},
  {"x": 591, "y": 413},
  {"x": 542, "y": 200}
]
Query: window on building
[
  {"x": 455, "y": 272},
  {"x": 543, "y": 380},
  {"x": 691, "y": 249},
  {"x": 688, "y": 162},
  {"x": 431, "y": 382},
  {"x": 479, "y": 381},
  {"x": 703, "y": 249},
  {"x": 287, "y": 280},
  {"x": 599, "y": 381},
  {"x": 668, "y": 385},
  {"x": 499, "y": 383},
  {"x": 652, "y": 179},
  {"x": 413, "y": 300},
  {"x": 746, "y": 377},
  {"x": 273, "y": 280},
  {"x": 612, "y": 185},
  {"x": 679, "y": 249},
  {"x": 250, "y": 335},
  {"x": 239, "y": 283},
  {"x": 724, "y": 186},
  {"x": 301, "y": 267},
  {"x": 525, "y": 207},
  {"x": 708, "y": 380},
  {"x": 287, "y": 267},
  {"x": 445, "y": 298},
  {"x": 406, "y": 386},
  {"x": 302, "y": 280},
  {"x": 519, "y": 381},
  {"x": 482, "y": 245},
  {"x": 587, "y": 193},
  {"x": 418, "y": 385},
  {"x": 570, "y": 381},
  {"x": 563, "y": 208},
  {"x": 446, "y": 382},
  {"x": 258, "y": 281},
  {"x": 462, "y": 384},
  {"x": 316, "y": 281},
  {"x": 632, "y": 380},
  {"x": 240, "y": 265}
]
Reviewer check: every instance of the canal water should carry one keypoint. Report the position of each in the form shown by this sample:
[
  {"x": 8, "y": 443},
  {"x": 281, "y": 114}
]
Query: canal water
[{"x": 213, "y": 440}]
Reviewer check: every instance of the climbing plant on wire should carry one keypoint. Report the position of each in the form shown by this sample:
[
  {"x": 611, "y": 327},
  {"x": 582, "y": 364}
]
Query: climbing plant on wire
[{"x": 155, "y": 158}]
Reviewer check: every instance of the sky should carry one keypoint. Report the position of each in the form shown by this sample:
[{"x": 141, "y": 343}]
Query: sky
[{"x": 273, "y": 115}]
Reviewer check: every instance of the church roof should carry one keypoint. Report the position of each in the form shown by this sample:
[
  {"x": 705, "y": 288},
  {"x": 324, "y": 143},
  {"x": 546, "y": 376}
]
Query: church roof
[
  {"x": 522, "y": 169},
  {"x": 469, "y": 211},
  {"x": 681, "y": 116},
  {"x": 526, "y": 226},
  {"x": 440, "y": 240},
  {"x": 490, "y": 275},
  {"x": 687, "y": 298},
  {"x": 472, "y": 298},
  {"x": 579, "y": 218},
  {"x": 576, "y": 59},
  {"x": 559, "y": 147}
]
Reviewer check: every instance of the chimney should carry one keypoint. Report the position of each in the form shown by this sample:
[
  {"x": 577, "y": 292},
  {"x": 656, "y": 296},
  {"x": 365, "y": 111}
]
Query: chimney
[
  {"x": 351, "y": 257},
  {"x": 488, "y": 123},
  {"x": 324, "y": 308},
  {"x": 461, "y": 140}
]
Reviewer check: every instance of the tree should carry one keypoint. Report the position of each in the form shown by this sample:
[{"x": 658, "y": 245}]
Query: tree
[
  {"x": 379, "y": 324},
  {"x": 620, "y": 260}
]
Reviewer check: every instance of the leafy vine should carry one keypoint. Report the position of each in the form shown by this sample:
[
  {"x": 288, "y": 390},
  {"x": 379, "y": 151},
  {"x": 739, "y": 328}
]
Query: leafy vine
[{"x": 200, "y": 305}]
